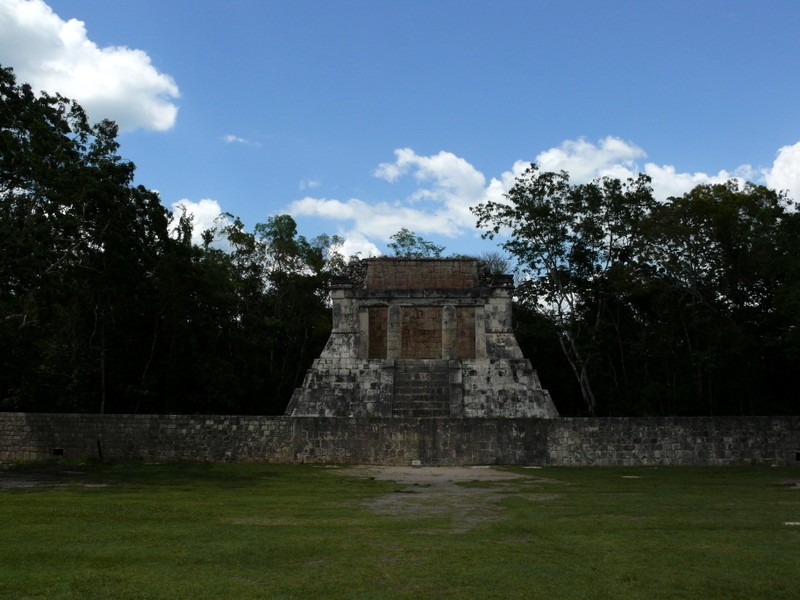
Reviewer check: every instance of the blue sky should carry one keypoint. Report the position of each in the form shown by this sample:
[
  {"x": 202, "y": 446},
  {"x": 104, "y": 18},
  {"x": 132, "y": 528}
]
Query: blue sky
[{"x": 360, "y": 118}]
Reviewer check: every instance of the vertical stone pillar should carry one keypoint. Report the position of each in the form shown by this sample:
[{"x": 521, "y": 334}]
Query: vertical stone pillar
[
  {"x": 456, "y": 384},
  {"x": 363, "y": 333},
  {"x": 449, "y": 332},
  {"x": 480, "y": 332},
  {"x": 394, "y": 333}
]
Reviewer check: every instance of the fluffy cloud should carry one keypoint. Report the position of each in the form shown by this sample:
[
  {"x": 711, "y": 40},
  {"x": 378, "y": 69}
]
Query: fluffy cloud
[
  {"x": 377, "y": 221},
  {"x": 451, "y": 183},
  {"x": 447, "y": 186},
  {"x": 205, "y": 214},
  {"x": 356, "y": 244},
  {"x": 57, "y": 56},
  {"x": 668, "y": 182},
  {"x": 585, "y": 161},
  {"x": 784, "y": 175},
  {"x": 613, "y": 157}
]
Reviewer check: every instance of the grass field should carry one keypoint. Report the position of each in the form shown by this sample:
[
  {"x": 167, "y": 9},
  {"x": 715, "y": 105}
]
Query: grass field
[{"x": 266, "y": 531}]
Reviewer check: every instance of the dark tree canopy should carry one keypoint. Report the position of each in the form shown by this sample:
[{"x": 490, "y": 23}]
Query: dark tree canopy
[
  {"x": 102, "y": 308},
  {"x": 681, "y": 307}
]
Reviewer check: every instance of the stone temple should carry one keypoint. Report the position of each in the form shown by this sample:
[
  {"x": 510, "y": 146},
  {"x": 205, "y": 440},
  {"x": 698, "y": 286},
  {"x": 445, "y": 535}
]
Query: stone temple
[{"x": 421, "y": 338}]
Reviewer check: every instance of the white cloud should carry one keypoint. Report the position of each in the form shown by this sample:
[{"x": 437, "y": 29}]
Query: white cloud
[
  {"x": 377, "y": 221},
  {"x": 235, "y": 139},
  {"x": 309, "y": 184},
  {"x": 356, "y": 244},
  {"x": 448, "y": 185},
  {"x": 613, "y": 157},
  {"x": 448, "y": 181},
  {"x": 668, "y": 182},
  {"x": 585, "y": 161},
  {"x": 784, "y": 175},
  {"x": 114, "y": 82},
  {"x": 205, "y": 215}
]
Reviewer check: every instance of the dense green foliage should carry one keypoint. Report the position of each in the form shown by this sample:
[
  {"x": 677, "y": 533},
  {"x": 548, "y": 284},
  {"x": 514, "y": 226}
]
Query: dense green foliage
[
  {"x": 102, "y": 308},
  {"x": 298, "y": 531},
  {"x": 684, "y": 307}
]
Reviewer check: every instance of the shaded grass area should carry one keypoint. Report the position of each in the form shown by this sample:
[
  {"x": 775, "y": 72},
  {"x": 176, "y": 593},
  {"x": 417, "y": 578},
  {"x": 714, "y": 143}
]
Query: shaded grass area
[{"x": 281, "y": 531}]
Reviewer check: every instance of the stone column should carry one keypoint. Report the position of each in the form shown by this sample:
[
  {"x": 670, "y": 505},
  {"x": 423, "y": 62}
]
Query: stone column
[
  {"x": 456, "y": 389},
  {"x": 480, "y": 332},
  {"x": 449, "y": 332},
  {"x": 394, "y": 332},
  {"x": 363, "y": 333}
]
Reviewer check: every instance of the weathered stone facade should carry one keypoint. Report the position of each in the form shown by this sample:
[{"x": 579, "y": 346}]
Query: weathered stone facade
[{"x": 421, "y": 338}]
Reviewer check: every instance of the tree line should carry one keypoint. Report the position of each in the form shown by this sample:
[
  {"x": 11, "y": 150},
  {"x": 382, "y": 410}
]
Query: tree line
[
  {"x": 106, "y": 304},
  {"x": 625, "y": 305},
  {"x": 689, "y": 306}
]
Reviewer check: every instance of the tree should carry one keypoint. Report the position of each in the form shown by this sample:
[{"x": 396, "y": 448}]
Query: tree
[
  {"x": 687, "y": 306},
  {"x": 495, "y": 262},
  {"x": 78, "y": 242},
  {"x": 720, "y": 266},
  {"x": 102, "y": 308},
  {"x": 407, "y": 244},
  {"x": 570, "y": 240}
]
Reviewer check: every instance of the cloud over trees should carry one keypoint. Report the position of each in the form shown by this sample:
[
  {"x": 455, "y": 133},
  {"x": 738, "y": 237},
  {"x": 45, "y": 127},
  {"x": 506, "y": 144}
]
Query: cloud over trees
[{"x": 447, "y": 185}]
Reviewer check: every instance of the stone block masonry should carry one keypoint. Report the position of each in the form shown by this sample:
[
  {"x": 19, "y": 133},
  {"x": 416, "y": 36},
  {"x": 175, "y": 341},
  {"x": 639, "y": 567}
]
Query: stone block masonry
[{"x": 400, "y": 441}]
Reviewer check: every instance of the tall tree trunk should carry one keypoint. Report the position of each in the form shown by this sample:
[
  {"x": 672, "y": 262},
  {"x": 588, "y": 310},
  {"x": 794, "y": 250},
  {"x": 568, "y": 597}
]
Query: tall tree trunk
[
  {"x": 102, "y": 368},
  {"x": 578, "y": 366}
]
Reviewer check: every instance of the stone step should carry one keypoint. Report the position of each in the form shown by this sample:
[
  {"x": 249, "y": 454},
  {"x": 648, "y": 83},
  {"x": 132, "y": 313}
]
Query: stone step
[
  {"x": 421, "y": 402},
  {"x": 420, "y": 414},
  {"x": 421, "y": 411},
  {"x": 422, "y": 377},
  {"x": 421, "y": 389},
  {"x": 439, "y": 405}
]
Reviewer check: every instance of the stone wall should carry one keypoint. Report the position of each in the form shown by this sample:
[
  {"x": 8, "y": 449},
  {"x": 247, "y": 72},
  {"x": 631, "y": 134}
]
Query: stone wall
[
  {"x": 421, "y": 273},
  {"x": 445, "y": 441}
]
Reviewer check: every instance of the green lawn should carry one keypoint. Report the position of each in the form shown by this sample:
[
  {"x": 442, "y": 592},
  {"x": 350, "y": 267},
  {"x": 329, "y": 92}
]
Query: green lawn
[{"x": 266, "y": 531}]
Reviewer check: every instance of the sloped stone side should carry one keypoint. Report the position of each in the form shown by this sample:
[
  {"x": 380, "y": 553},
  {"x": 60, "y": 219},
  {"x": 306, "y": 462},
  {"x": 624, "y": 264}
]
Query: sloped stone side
[
  {"x": 341, "y": 387},
  {"x": 504, "y": 388}
]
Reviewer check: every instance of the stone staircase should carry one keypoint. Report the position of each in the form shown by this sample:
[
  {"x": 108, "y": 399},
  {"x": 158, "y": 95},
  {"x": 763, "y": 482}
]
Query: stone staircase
[{"x": 421, "y": 389}]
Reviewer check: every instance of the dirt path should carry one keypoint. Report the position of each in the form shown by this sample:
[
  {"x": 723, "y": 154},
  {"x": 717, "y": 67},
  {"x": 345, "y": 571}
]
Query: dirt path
[{"x": 435, "y": 492}]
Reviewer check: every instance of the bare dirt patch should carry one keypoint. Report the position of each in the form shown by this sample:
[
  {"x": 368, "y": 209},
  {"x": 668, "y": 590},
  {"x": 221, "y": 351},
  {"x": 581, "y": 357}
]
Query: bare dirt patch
[
  {"x": 20, "y": 479},
  {"x": 446, "y": 492}
]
